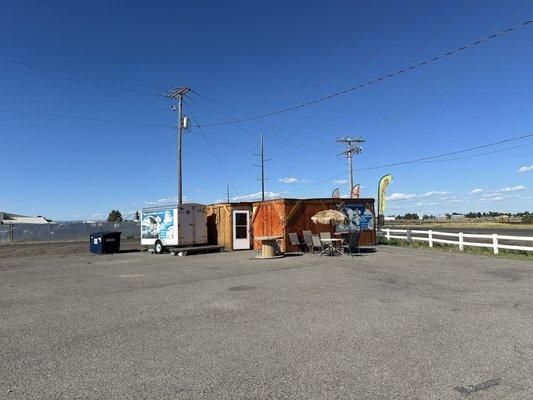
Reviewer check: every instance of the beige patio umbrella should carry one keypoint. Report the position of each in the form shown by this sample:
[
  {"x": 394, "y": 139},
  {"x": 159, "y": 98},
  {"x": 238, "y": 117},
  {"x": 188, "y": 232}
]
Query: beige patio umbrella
[{"x": 329, "y": 217}]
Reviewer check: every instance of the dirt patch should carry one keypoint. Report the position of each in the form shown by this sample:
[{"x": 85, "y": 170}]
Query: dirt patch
[{"x": 57, "y": 248}]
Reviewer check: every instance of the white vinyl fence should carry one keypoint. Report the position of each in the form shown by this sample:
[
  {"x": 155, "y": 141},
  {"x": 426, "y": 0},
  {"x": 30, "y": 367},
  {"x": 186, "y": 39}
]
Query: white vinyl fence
[{"x": 492, "y": 241}]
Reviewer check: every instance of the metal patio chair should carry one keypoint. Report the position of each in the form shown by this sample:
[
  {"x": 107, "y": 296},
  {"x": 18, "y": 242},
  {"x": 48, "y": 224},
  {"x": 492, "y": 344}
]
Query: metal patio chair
[
  {"x": 295, "y": 241},
  {"x": 308, "y": 240},
  {"x": 325, "y": 235},
  {"x": 351, "y": 244},
  {"x": 317, "y": 244}
]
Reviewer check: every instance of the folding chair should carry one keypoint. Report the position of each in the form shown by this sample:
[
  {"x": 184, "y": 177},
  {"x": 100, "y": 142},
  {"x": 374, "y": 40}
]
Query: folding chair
[
  {"x": 308, "y": 240},
  {"x": 293, "y": 237},
  {"x": 352, "y": 244},
  {"x": 317, "y": 244},
  {"x": 325, "y": 235}
]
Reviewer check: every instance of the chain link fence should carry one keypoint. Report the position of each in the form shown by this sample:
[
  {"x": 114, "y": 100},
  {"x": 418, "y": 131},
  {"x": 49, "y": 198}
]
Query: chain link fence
[{"x": 63, "y": 231}]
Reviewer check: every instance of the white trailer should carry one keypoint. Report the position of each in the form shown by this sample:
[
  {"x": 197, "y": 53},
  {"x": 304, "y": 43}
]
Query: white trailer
[{"x": 169, "y": 227}]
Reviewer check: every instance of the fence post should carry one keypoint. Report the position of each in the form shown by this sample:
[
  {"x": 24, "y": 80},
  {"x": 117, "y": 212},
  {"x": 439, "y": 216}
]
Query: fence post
[
  {"x": 461, "y": 241},
  {"x": 430, "y": 237},
  {"x": 495, "y": 242},
  {"x": 409, "y": 236},
  {"x": 388, "y": 234}
]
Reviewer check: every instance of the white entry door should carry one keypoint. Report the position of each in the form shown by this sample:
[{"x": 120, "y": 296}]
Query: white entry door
[{"x": 241, "y": 230}]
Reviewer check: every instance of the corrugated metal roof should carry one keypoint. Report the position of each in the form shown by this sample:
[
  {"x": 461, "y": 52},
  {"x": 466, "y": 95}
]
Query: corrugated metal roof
[{"x": 8, "y": 218}]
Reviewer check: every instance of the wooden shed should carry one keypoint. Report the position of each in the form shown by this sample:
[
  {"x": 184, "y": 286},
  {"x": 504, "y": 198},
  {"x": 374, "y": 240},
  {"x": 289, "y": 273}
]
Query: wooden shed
[
  {"x": 281, "y": 216},
  {"x": 229, "y": 225}
]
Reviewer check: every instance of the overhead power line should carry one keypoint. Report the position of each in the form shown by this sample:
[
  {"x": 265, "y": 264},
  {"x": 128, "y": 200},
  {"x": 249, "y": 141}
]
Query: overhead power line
[
  {"x": 84, "y": 75},
  {"x": 479, "y": 154},
  {"x": 151, "y": 124},
  {"x": 84, "y": 117},
  {"x": 426, "y": 159},
  {"x": 214, "y": 153},
  {"x": 451, "y": 153},
  {"x": 155, "y": 85},
  {"x": 376, "y": 80},
  {"x": 130, "y": 89},
  {"x": 282, "y": 138}
]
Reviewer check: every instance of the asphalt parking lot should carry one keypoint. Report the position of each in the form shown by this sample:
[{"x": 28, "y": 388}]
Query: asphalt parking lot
[{"x": 392, "y": 324}]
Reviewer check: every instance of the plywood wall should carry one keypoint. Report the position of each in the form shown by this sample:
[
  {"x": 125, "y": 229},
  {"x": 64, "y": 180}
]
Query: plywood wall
[
  {"x": 267, "y": 220},
  {"x": 279, "y": 217},
  {"x": 220, "y": 223}
]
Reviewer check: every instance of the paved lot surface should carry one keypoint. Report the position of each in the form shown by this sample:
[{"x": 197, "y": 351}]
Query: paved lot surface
[{"x": 394, "y": 324}]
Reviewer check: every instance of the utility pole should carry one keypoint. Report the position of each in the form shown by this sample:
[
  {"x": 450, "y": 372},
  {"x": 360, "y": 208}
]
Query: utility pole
[
  {"x": 227, "y": 191},
  {"x": 177, "y": 94},
  {"x": 262, "y": 166},
  {"x": 262, "y": 170},
  {"x": 352, "y": 147}
]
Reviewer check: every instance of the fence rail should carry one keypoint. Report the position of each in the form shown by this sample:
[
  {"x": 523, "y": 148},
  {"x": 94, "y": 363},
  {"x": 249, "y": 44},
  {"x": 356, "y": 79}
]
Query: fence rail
[{"x": 492, "y": 241}]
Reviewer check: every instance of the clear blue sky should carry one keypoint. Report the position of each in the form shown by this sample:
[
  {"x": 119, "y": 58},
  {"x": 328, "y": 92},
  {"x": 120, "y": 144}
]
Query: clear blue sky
[{"x": 257, "y": 57}]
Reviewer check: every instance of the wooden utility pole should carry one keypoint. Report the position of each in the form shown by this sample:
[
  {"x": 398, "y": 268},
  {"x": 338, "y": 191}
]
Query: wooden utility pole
[
  {"x": 262, "y": 166},
  {"x": 262, "y": 170},
  {"x": 177, "y": 94},
  {"x": 352, "y": 147}
]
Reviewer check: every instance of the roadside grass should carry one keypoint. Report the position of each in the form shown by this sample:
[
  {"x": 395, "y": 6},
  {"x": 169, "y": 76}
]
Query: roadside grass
[
  {"x": 449, "y": 248},
  {"x": 457, "y": 225}
]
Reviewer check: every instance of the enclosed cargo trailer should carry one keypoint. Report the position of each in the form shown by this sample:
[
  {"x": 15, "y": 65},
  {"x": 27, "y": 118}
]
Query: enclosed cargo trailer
[{"x": 168, "y": 227}]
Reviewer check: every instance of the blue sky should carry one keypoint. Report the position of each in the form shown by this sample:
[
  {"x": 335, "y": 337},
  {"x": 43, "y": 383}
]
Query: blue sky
[{"x": 247, "y": 58}]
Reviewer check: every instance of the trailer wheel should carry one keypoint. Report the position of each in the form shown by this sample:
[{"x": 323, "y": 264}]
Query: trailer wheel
[{"x": 158, "y": 247}]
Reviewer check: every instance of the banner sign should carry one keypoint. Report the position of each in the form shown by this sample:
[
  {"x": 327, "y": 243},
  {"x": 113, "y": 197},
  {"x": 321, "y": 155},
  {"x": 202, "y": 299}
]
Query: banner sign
[
  {"x": 158, "y": 224},
  {"x": 360, "y": 218},
  {"x": 355, "y": 191},
  {"x": 336, "y": 194},
  {"x": 382, "y": 188}
]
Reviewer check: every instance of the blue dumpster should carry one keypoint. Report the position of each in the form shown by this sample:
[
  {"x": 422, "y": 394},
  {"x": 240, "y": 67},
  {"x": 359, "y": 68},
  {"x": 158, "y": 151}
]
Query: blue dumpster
[{"x": 104, "y": 242}]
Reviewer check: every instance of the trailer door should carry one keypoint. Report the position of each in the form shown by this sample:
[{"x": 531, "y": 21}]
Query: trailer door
[{"x": 241, "y": 230}]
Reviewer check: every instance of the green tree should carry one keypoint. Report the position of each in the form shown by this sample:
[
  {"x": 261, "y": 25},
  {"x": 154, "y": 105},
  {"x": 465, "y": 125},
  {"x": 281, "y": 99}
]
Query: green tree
[
  {"x": 527, "y": 218},
  {"x": 114, "y": 216}
]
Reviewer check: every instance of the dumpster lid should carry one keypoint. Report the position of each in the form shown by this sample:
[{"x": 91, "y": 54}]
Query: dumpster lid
[{"x": 106, "y": 233}]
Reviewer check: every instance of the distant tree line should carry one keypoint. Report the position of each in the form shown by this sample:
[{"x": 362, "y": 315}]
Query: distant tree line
[{"x": 526, "y": 216}]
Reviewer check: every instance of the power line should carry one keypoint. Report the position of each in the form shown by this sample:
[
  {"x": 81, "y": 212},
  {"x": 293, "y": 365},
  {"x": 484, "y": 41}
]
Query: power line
[
  {"x": 77, "y": 80},
  {"x": 156, "y": 85},
  {"x": 268, "y": 126},
  {"x": 376, "y": 80},
  {"x": 322, "y": 76},
  {"x": 214, "y": 154},
  {"x": 422, "y": 102},
  {"x": 349, "y": 80},
  {"x": 272, "y": 136},
  {"x": 425, "y": 159},
  {"x": 150, "y": 124},
  {"x": 479, "y": 154},
  {"x": 82, "y": 74},
  {"x": 447, "y": 154},
  {"x": 43, "y": 114}
]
